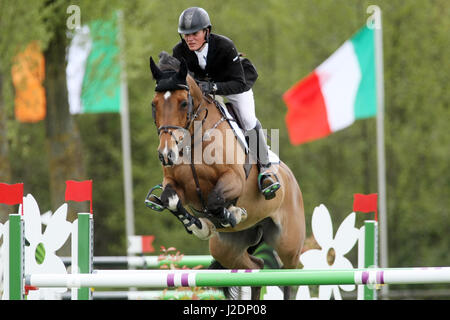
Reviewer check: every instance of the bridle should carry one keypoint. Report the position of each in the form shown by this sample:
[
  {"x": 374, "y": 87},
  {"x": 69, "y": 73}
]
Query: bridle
[{"x": 191, "y": 115}]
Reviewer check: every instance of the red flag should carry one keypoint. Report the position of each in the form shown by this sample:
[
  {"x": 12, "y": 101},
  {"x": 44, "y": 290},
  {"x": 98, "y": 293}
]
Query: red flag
[
  {"x": 306, "y": 119},
  {"x": 79, "y": 191},
  {"x": 11, "y": 194},
  {"x": 366, "y": 203},
  {"x": 147, "y": 244}
]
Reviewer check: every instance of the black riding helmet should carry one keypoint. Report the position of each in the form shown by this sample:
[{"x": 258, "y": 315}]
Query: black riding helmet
[{"x": 192, "y": 20}]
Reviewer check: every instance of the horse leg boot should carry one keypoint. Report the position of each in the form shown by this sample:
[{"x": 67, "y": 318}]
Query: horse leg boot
[
  {"x": 268, "y": 182},
  {"x": 202, "y": 228}
]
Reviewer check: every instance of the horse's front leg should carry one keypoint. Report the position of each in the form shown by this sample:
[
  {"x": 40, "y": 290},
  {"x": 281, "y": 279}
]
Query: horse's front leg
[
  {"x": 171, "y": 197},
  {"x": 220, "y": 200}
]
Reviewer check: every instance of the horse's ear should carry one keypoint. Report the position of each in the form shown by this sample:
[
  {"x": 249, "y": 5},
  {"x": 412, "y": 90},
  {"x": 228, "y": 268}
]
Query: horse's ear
[
  {"x": 156, "y": 72},
  {"x": 182, "y": 73}
]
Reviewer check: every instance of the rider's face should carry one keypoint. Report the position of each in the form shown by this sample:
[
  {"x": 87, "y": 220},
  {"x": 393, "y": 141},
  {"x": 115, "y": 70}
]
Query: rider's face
[{"x": 195, "y": 40}]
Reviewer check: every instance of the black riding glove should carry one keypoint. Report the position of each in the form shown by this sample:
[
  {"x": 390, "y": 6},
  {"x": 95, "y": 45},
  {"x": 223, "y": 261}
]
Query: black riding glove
[{"x": 207, "y": 87}]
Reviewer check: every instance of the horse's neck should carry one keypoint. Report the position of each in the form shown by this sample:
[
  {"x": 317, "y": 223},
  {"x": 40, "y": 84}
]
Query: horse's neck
[{"x": 209, "y": 118}]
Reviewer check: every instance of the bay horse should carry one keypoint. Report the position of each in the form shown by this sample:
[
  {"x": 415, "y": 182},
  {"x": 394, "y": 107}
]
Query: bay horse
[{"x": 196, "y": 192}]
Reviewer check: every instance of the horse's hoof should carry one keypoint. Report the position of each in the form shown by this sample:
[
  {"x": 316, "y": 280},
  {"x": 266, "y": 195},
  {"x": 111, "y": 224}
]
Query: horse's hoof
[
  {"x": 227, "y": 219},
  {"x": 240, "y": 214}
]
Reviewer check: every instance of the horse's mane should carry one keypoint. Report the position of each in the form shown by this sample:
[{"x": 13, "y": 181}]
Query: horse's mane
[{"x": 167, "y": 62}]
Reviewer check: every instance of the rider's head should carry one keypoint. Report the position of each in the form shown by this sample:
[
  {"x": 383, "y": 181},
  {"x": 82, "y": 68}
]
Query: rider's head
[{"x": 194, "y": 26}]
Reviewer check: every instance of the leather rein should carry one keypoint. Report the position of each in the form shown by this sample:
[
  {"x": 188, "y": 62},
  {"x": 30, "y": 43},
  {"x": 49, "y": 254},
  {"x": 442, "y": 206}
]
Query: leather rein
[{"x": 191, "y": 116}]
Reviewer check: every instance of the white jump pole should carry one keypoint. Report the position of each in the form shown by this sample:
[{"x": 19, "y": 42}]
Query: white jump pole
[{"x": 168, "y": 278}]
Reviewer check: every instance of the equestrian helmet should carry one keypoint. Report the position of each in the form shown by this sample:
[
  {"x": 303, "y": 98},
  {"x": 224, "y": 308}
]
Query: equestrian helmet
[{"x": 192, "y": 20}]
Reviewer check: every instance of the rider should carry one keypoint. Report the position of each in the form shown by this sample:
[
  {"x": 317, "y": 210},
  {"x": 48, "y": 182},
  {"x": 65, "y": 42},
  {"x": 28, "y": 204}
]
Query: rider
[{"x": 214, "y": 58}]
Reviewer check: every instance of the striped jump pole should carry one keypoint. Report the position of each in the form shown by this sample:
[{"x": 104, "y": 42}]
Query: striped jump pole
[{"x": 224, "y": 278}]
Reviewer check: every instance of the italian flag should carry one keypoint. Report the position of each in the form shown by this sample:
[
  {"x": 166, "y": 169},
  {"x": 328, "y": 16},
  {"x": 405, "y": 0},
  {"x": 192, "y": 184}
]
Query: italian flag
[
  {"x": 339, "y": 91},
  {"x": 93, "y": 68}
]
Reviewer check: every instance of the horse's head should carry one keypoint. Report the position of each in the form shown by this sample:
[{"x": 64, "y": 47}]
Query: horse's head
[{"x": 172, "y": 107}]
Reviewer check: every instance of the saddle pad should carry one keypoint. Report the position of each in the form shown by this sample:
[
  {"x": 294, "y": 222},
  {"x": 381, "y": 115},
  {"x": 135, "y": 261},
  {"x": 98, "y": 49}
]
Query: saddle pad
[
  {"x": 239, "y": 133},
  {"x": 273, "y": 157}
]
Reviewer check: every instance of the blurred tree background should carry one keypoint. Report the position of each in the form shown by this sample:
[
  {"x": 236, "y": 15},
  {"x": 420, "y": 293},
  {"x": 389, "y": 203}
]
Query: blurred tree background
[{"x": 286, "y": 40}]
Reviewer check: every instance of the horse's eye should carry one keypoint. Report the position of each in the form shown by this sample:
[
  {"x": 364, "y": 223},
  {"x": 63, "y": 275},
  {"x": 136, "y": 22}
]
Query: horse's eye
[
  {"x": 153, "y": 105},
  {"x": 183, "y": 104}
]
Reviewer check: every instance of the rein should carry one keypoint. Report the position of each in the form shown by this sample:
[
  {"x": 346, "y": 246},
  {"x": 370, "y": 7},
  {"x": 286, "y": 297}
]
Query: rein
[{"x": 191, "y": 116}]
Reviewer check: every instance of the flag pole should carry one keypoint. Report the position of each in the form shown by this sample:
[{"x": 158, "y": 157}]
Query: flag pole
[
  {"x": 126, "y": 146},
  {"x": 380, "y": 140}
]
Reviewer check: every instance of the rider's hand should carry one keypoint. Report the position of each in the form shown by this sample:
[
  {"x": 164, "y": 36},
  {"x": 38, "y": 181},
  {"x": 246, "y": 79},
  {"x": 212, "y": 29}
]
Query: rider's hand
[{"x": 207, "y": 87}]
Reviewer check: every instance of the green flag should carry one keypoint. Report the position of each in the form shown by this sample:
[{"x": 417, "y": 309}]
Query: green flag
[{"x": 93, "y": 69}]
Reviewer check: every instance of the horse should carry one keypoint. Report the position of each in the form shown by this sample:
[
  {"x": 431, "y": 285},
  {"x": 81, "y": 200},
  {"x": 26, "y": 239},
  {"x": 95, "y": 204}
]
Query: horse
[{"x": 199, "y": 192}]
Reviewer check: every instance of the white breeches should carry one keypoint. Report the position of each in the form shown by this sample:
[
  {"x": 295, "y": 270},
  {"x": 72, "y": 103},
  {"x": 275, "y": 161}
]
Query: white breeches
[{"x": 244, "y": 104}]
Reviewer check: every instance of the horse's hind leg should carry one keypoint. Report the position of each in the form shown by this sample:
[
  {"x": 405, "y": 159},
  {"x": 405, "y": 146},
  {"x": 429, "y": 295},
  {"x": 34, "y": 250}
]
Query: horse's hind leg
[
  {"x": 292, "y": 235},
  {"x": 230, "y": 250}
]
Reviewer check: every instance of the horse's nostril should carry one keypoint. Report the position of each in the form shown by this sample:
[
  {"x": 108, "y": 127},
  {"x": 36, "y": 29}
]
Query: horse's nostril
[
  {"x": 171, "y": 157},
  {"x": 161, "y": 157}
]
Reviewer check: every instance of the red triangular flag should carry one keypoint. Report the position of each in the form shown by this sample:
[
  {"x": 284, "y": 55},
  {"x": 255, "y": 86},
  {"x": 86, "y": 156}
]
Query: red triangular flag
[
  {"x": 366, "y": 203},
  {"x": 79, "y": 191}
]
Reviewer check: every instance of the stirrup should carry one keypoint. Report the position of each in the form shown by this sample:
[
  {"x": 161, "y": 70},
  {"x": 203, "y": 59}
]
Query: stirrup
[
  {"x": 153, "y": 201},
  {"x": 269, "y": 191}
]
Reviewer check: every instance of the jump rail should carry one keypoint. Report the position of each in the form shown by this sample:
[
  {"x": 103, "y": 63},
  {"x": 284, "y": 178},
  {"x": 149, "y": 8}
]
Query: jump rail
[
  {"x": 189, "y": 261},
  {"x": 84, "y": 277},
  {"x": 220, "y": 278}
]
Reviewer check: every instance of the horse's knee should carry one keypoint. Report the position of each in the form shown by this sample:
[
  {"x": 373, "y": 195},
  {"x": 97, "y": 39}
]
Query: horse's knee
[
  {"x": 170, "y": 198},
  {"x": 216, "y": 200},
  {"x": 229, "y": 187}
]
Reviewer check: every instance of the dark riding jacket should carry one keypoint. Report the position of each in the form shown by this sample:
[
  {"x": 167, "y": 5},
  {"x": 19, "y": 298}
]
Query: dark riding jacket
[{"x": 223, "y": 65}]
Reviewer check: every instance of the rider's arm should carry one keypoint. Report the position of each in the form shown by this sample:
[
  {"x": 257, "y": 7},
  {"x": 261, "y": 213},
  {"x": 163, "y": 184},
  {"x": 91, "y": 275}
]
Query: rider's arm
[{"x": 234, "y": 80}]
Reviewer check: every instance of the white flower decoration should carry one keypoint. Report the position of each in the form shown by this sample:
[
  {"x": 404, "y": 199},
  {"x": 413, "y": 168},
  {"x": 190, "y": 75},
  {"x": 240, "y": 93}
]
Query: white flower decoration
[
  {"x": 56, "y": 233},
  {"x": 346, "y": 237}
]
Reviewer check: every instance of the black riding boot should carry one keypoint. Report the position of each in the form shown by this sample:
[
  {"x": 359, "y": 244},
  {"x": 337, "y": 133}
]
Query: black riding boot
[{"x": 268, "y": 182}]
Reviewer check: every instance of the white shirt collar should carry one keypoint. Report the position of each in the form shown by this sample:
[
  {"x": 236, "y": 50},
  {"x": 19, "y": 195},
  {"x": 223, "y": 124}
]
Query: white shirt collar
[{"x": 202, "y": 55}]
